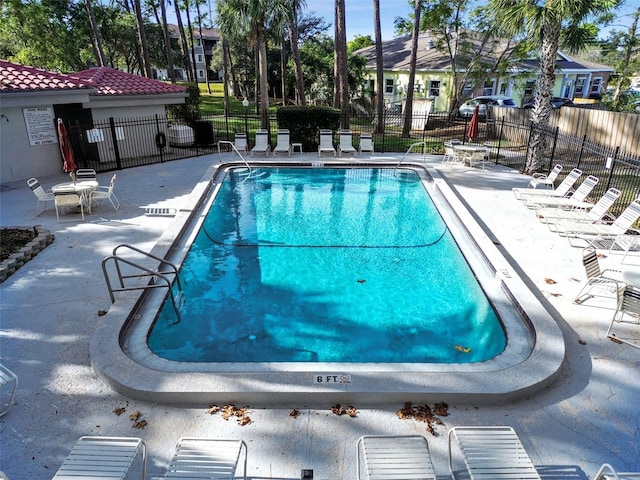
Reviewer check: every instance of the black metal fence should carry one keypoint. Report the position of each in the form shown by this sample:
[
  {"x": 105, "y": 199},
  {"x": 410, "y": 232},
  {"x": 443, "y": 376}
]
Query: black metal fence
[{"x": 122, "y": 143}]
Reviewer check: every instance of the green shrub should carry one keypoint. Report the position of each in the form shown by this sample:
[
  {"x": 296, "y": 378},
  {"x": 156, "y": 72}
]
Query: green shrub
[{"x": 304, "y": 123}]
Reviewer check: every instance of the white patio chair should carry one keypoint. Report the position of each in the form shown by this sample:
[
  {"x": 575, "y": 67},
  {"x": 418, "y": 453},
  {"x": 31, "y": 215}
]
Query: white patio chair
[
  {"x": 346, "y": 142},
  {"x": 283, "y": 144},
  {"x": 590, "y": 231},
  {"x": 240, "y": 142},
  {"x": 97, "y": 458},
  {"x": 42, "y": 196},
  {"x": 262, "y": 143},
  {"x": 491, "y": 453},
  {"x": 366, "y": 143},
  {"x": 103, "y": 192},
  {"x": 605, "y": 283},
  {"x": 326, "y": 143},
  {"x": 399, "y": 457},
  {"x": 545, "y": 180},
  {"x": 628, "y": 312},
  {"x": 85, "y": 174},
  {"x": 578, "y": 199},
  {"x": 607, "y": 472},
  {"x": 213, "y": 459},
  {"x": 476, "y": 159},
  {"x": 562, "y": 190},
  {"x": 451, "y": 155},
  {"x": 68, "y": 198},
  {"x": 551, "y": 215},
  {"x": 9, "y": 380}
]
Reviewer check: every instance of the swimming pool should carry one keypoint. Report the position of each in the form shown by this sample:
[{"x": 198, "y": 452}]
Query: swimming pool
[
  {"x": 531, "y": 359},
  {"x": 326, "y": 265}
]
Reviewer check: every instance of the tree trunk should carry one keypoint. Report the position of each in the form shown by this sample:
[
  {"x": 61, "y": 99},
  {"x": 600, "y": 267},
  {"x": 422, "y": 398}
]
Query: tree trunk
[
  {"x": 408, "y": 106},
  {"x": 204, "y": 52},
  {"x": 264, "y": 81},
  {"x": 226, "y": 62},
  {"x": 142, "y": 38},
  {"x": 631, "y": 44},
  {"x": 379, "y": 125},
  {"x": 97, "y": 39},
  {"x": 544, "y": 92},
  {"x": 191, "y": 41},
  {"x": 167, "y": 42},
  {"x": 342, "y": 72},
  {"x": 295, "y": 53},
  {"x": 183, "y": 41},
  {"x": 283, "y": 70}
]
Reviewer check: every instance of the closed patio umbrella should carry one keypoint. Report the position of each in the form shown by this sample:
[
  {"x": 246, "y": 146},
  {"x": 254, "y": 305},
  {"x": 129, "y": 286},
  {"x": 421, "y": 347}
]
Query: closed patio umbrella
[
  {"x": 65, "y": 147},
  {"x": 472, "y": 129}
]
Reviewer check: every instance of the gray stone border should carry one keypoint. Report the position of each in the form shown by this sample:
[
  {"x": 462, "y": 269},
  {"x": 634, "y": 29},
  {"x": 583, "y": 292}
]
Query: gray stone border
[{"x": 26, "y": 253}]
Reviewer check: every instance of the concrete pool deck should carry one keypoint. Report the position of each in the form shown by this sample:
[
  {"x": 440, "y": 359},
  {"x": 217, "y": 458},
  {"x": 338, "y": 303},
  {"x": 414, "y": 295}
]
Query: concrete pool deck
[{"x": 50, "y": 308}]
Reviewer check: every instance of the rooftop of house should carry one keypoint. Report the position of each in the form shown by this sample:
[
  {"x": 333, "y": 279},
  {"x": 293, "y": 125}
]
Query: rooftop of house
[
  {"x": 109, "y": 81},
  {"x": 16, "y": 78}
]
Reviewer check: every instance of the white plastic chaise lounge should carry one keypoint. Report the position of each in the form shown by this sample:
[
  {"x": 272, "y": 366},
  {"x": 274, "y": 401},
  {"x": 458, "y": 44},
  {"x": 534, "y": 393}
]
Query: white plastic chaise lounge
[
  {"x": 8, "y": 380},
  {"x": 551, "y": 216},
  {"x": 326, "y": 143},
  {"x": 346, "y": 143},
  {"x": 629, "y": 305},
  {"x": 97, "y": 458},
  {"x": 600, "y": 283},
  {"x": 42, "y": 196},
  {"x": 593, "y": 231},
  {"x": 210, "y": 458},
  {"x": 607, "y": 472},
  {"x": 561, "y": 190},
  {"x": 578, "y": 199},
  {"x": 283, "y": 143},
  {"x": 394, "y": 457},
  {"x": 262, "y": 143},
  {"x": 491, "y": 453},
  {"x": 366, "y": 143},
  {"x": 542, "y": 179}
]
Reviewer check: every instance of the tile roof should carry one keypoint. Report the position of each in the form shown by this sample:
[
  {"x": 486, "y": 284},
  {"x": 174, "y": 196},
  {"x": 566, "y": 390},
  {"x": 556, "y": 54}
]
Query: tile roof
[
  {"x": 15, "y": 78},
  {"x": 109, "y": 81}
]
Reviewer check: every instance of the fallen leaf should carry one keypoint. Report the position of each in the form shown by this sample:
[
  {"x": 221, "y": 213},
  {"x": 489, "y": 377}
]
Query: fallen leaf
[
  {"x": 119, "y": 411},
  {"x": 582, "y": 342},
  {"x": 615, "y": 340},
  {"x": 213, "y": 409},
  {"x": 352, "y": 411},
  {"x": 140, "y": 424},
  {"x": 550, "y": 281},
  {"x": 135, "y": 416},
  {"x": 338, "y": 409},
  {"x": 361, "y": 280},
  {"x": 294, "y": 413},
  {"x": 102, "y": 313}
]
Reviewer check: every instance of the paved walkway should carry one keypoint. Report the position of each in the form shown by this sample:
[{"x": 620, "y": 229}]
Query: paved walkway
[{"x": 49, "y": 309}]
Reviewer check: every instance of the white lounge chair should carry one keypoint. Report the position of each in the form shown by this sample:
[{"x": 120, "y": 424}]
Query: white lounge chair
[
  {"x": 476, "y": 158},
  {"x": 606, "y": 282},
  {"x": 578, "y": 199},
  {"x": 561, "y": 190},
  {"x": 591, "y": 231},
  {"x": 491, "y": 453},
  {"x": 607, "y": 472},
  {"x": 542, "y": 179},
  {"x": 346, "y": 143},
  {"x": 551, "y": 216},
  {"x": 42, "y": 196},
  {"x": 451, "y": 155},
  {"x": 240, "y": 142},
  {"x": 366, "y": 143},
  {"x": 326, "y": 143},
  {"x": 8, "y": 380},
  {"x": 213, "y": 459},
  {"x": 283, "y": 144},
  {"x": 108, "y": 458},
  {"x": 68, "y": 198},
  {"x": 628, "y": 311},
  {"x": 262, "y": 143},
  {"x": 394, "y": 457},
  {"x": 104, "y": 192}
]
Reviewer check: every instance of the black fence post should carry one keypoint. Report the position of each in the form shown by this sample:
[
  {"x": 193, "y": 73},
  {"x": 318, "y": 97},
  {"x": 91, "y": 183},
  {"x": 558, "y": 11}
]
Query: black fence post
[
  {"x": 553, "y": 149},
  {"x": 114, "y": 139},
  {"x": 499, "y": 139},
  {"x": 584, "y": 140},
  {"x": 612, "y": 166}
]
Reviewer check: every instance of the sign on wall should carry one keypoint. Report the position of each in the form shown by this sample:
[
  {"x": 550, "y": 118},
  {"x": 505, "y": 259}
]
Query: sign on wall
[{"x": 40, "y": 125}]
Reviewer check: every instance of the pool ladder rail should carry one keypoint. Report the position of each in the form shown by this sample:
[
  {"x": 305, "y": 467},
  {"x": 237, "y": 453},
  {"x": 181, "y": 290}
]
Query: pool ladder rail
[
  {"x": 411, "y": 147},
  {"x": 233, "y": 147},
  {"x": 164, "y": 273}
]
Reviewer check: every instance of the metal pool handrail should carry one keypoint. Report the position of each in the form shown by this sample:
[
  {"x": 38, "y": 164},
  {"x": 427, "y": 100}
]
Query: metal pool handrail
[
  {"x": 173, "y": 270},
  {"x": 424, "y": 144},
  {"x": 227, "y": 142}
]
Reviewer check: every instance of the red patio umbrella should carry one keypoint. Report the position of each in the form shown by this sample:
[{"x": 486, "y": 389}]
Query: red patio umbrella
[
  {"x": 472, "y": 130},
  {"x": 65, "y": 147}
]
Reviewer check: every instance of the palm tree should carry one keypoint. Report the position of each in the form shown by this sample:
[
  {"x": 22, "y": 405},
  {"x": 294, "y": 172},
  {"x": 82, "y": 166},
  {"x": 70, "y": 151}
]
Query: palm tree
[
  {"x": 408, "y": 105},
  {"x": 183, "y": 41},
  {"x": 97, "y": 39},
  {"x": 167, "y": 42},
  {"x": 379, "y": 125},
  {"x": 296, "y": 5},
  {"x": 341, "y": 86},
  {"x": 547, "y": 23},
  {"x": 142, "y": 38}
]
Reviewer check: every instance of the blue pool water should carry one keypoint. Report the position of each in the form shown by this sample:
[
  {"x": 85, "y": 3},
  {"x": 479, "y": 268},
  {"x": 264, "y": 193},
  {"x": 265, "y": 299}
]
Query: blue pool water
[{"x": 327, "y": 265}]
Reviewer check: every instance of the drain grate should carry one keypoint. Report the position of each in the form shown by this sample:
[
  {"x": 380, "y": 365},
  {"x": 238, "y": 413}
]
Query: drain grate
[{"x": 161, "y": 211}]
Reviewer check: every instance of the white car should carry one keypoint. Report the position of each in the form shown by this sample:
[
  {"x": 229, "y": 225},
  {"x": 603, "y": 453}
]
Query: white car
[{"x": 467, "y": 108}]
